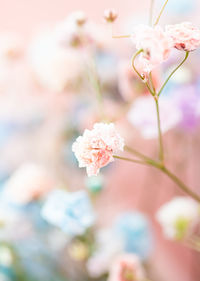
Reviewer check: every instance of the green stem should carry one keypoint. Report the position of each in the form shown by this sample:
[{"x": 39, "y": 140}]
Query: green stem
[
  {"x": 163, "y": 86},
  {"x": 135, "y": 69},
  {"x": 130, "y": 160},
  {"x": 136, "y": 153},
  {"x": 183, "y": 186},
  {"x": 151, "y": 82},
  {"x": 166, "y": 171},
  {"x": 161, "y": 148},
  {"x": 160, "y": 14},
  {"x": 121, "y": 36}
]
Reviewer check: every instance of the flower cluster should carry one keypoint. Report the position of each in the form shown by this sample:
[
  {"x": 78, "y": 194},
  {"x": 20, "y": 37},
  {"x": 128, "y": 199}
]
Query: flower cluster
[
  {"x": 156, "y": 44},
  {"x": 96, "y": 147},
  {"x": 185, "y": 36}
]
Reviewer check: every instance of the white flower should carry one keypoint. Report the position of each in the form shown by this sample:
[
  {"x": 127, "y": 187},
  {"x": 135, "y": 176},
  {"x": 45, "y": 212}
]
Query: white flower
[
  {"x": 178, "y": 217},
  {"x": 30, "y": 181},
  {"x": 54, "y": 66},
  {"x": 143, "y": 116}
]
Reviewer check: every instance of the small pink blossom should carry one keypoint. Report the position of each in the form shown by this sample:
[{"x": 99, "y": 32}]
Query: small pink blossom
[
  {"x": 155, "y": 43},
  {"x": 126, "y": 267},
  {"x": 185, "y": 36},
  {"x": 96, "y": 147}
]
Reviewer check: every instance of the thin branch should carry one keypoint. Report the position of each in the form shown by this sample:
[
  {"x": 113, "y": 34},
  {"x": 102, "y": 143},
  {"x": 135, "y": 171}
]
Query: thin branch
[
  {"x": 135, "y": 69},
  {"x": 160, "y": 14},
  {"x": 161, "y": 148},
  {"x": 163, "y": 86}
]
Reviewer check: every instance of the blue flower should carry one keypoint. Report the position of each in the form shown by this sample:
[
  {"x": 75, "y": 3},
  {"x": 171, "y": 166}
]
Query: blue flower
[
  {"x": 71, "y": 211},
  {"x": 134, "y": 230}
]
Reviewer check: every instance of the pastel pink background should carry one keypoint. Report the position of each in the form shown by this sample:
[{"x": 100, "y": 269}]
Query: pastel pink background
[{"x": 24, "y": 17}]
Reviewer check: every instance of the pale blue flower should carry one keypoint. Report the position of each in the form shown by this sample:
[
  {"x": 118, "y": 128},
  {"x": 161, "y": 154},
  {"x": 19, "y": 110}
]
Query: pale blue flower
[
  {"x": 70, "y": 211},
  {"x": 134, "y": 229}
]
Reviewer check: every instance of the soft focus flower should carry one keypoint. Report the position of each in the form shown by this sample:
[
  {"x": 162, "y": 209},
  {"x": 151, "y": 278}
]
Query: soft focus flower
[
  {"x": 126, "y": 267},
  {"x": 154, "y": 42},
  {"x": 187, "y": 99},
  {"x": 59, "y": 54},
  {"x": 178, "y": 217},
  {"x": 185, "y": 36},
  {"x": 143, "y": 116},
  {"x": 96, "y": 147},
  {"x": 108, "y": 246},
  {"x": 110, "y": 15},
  {"x": 10, "y": 45},
  {"x": 79, "y": 17},
  {"x": 55, "y": 67},
  {"x": 134, "y": 230},
  {"x": 71, "y": 211},
  {"x": 6, "y": 257},
  {"x": 30, "y": 181},
  {"x": 10, "y": 219},
  {"x": 78, "y": 251}
]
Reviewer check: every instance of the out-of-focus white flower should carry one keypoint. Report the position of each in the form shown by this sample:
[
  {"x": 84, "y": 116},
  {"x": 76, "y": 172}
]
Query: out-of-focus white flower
[
  {"x": 28, "y": 182},
  {"x": 10, "y": 45},
  {"x": 70, "y": 211},
  {"x": 143, "y": 116},
  {"x": 126, "y": 267},
  {"x": 10, "y": 219},
  {"x": 58, "y": 56},
  {"x": 178, "y": 217},
  {"x": 108, "y": 247},
  {"x": 6, "y": 258},
  {"x": 56, "y": 68}
]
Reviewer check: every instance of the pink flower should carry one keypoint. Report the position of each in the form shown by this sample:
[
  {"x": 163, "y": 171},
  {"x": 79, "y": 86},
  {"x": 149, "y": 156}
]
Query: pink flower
[
  {"x": 126, "y": 267},
  {"x": 154, "y": 42},
  {"x": 96, "y": 147},
  {"x": 185, "y": 36}
]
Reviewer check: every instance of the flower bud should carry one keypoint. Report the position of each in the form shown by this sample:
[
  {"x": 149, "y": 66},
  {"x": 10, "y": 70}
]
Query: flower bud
[{"x": 110, "y": 15}]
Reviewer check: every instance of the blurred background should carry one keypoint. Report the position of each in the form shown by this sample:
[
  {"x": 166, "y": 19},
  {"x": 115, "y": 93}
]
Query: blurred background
[{"x": 51, "y": 75}]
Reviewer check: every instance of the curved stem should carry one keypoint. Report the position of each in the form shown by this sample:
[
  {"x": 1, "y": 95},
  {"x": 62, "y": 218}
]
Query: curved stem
[
  {"x": 160, "y": 14},
  {"x": 163, "y": 86},
  {"x": 161, "y": 148},
  {"x": 135, "y": 69}
]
